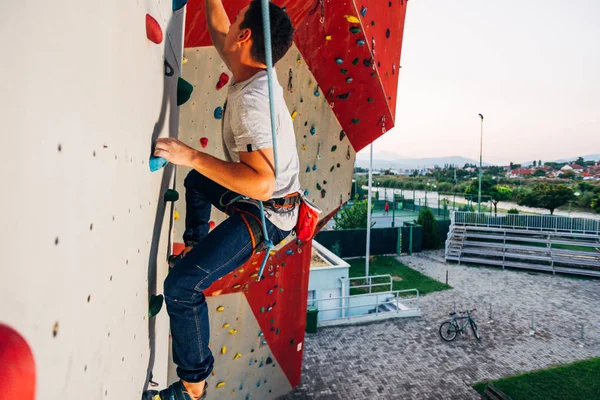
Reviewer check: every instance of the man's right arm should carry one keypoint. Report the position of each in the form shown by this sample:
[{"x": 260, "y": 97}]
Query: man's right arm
[{"x": 218, "y": 26}]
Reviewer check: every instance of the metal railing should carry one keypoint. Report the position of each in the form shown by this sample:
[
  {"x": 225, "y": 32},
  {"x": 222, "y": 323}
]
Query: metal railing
[
  {"x": 528, "y": 222},
  {"x": 405, "y": 306},
  {"x": 368, "y": 282}
]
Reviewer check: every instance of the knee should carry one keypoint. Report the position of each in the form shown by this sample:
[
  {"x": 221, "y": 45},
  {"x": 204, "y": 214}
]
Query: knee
[
  {"x": 175, "y": 287},
  {"x": 192, "y": 179}
]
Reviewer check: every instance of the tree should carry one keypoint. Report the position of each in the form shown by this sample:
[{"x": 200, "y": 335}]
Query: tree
[
  {"x": 353, "y": 217},
  {"x": 595, "y": 204},
  {"x": 539, "y": 172},
  {"x": 580, "y": 161},
  {"x": 540, "y": 163},
  {"x": 534, "y": 163},
  {"x": 431, "y": 230},
  {"x": 568, "y": 174},
  {"x": 489, "y": 189},
  {"x": 545, "y": 195}
]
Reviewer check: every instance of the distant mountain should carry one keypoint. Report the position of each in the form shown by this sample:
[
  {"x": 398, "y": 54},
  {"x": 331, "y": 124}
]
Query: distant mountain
[
  {"x": 384, "y": 160},
  {"x": 589, "y": 157}
]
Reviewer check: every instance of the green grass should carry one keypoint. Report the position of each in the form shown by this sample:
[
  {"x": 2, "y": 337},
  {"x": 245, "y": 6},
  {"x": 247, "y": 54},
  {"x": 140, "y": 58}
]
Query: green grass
[
  {"x": 410, "y": 279},
  {"x": 576, "y": 381}
]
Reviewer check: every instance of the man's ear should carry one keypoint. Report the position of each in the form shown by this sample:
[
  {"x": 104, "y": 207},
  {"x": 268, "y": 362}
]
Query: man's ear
[{"x": 244, "y": 36}]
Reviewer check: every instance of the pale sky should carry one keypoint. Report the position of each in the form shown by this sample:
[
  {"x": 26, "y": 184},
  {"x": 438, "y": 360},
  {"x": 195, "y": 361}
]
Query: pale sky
[{"x": 531, "y": 67}]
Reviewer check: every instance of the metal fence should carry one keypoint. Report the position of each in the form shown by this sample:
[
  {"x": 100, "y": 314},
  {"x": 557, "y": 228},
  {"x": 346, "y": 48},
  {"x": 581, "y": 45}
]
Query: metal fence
[
  {"x": 406, "y": 304},
  {"x": 528, "y": 222}
]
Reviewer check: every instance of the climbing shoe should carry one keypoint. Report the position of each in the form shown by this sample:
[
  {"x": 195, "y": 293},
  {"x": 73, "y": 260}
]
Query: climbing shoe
[{"x": 174, "y": 392}]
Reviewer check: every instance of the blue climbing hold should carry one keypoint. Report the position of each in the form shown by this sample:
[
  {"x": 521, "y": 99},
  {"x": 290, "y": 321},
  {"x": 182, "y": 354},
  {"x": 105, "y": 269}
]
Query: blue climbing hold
[
  {"x": 306, "y": 192},
  {"x": 363, "y": 11},
  {"x": 219, "y": 112},
  {"x": 289, "y": 252},
  {"x": 316, "y": 93},
  {"x": 179, "y": 4},
  {"x": 307, "y": 169},
  {"x": 312, "y": 130},
  {"x": 339, "y": 60},
  {"x": 157, "y": 163},
  {"x": 314, "y": 167},
  {"x": 360, "y": 42}
]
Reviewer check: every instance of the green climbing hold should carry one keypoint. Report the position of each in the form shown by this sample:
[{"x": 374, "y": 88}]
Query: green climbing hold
[
  {"x": 333, "y": 148},
  {"x": 355, "y": 61},
  {"x": 367, "y": 63},
  {"x": 370, "y": 100},
  {"x": 388, "y": 33},
  {"x": 344, "y": 71},
  {"x": 262, "y": 309},
  {"x": 332, "y": 168},
  {"x": 355, "y": 121},
  {"x": 272, "y": 321},
  {"x": 343, "y": 96},
  {"x": 373, "y": 74},
  {"x": 156, "y": 303},
  {"x": 354, "y": 29},
  {"x": 319, "y": 186},
  {"x": 184, "y": 91},
  {"x": 171, "y": 195}
]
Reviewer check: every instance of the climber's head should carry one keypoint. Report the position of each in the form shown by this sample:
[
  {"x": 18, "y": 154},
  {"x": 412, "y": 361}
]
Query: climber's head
[{"x": 245, "y": 41}]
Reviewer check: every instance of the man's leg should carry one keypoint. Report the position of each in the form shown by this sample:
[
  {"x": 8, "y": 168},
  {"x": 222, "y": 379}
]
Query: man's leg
[
  {"x": 200, "y": 194},
  {"x": 221, "y": 251}
]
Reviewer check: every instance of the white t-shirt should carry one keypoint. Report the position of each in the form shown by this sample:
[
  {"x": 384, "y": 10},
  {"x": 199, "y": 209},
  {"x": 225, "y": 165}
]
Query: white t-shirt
[{"x": 247, "y": 127}]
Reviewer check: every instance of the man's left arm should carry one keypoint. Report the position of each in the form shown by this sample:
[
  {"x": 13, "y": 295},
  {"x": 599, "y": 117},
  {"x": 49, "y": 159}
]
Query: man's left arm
[{"x": 253, "y": 176}]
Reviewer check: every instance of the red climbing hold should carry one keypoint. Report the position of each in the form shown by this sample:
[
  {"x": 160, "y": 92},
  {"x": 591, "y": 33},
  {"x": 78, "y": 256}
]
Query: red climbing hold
[
  {"x": 153, "y": 30},
  {"x": 17, "y": 366},
  {"x": 203, "y": 142},
  {"x": 211, "y": 225},
  {"x": 223, "y": 80}
]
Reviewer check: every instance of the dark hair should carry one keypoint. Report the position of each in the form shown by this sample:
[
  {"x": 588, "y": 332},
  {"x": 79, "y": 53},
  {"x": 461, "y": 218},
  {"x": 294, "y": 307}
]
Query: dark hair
[{"x": 282, "y": 31}]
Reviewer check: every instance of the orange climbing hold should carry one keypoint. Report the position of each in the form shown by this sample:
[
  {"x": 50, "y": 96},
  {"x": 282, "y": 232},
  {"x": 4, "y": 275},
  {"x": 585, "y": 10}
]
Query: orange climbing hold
[
  {"x": 17, "y": 366},
  {"x": 153, "y": 30}
]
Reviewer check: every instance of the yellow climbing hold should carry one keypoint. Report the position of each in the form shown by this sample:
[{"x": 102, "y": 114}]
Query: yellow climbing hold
[
  {"x": 226, "y": 325},
  {"x": 327, "y": 37},
  {"x": 220, "y": 309},
  {"x": 223, "y": 349},
  {"x": 352, "y": 19},
  {"x": 238, "y": 355},
  {"x": 241, "y": 270},
  {"x": 284, "y": 240},
  {"x": 220, "y": 385},
  {"x": 294, "y": 115},
  {"x": 303, "y": 147},
  {"x": 175, "y": 215},
  {"x": 184, "y": 60},
  {"x": 237, "y": 286},
  {"x": 232, "y": 331},
  {"x": 272, "y": 252},
  {"x": 157, "y": 397},
  {"x": 254, "y": 262},
  {"x": 254, "y": 275}
]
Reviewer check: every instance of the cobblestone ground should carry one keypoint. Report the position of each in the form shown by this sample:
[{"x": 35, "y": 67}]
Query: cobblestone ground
[{"x": 406, "y": 358}]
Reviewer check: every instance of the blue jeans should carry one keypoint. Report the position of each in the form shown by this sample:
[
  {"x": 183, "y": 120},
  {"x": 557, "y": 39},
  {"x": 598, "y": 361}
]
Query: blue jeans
[{"x": 214, "y": 255}]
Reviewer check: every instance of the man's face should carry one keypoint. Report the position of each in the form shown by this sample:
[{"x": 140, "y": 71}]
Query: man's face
[{"x": 236, "y": 36}]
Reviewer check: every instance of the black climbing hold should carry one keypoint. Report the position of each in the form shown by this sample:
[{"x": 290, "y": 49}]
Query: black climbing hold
[
  {"x": 323, "y": 193},
  {"x": 355, "y": 61},
  {"x": 333, "y": 148},
  {"x": 171, "y": 195},
  {"x": 324, "y": 182},
  {"x": 379, "y": 63},
  {"x": 372, "y": 23},
  {"x": 344, "y": 71},
  {"x": 354, "y": 29},
  {"x": 342, "y": 135},
  {"x": 389, "y": 3},
  {"x": 349, "y": 79},
  {"x": 169, "y": 71},
  {"x": 367, "y": 62},
  {"x": 343, "y": 96},
  {"x": 269, "y": 360},
  {"x": 305, "y": 123},
  {"x": 301, "y": 100},
  {"x": 184, "y": 91},
  {"x": 388, "y": 33},
  {"x": 338, "y": 165},
  {"x": 155, "y": 305},
  {"x": 292, "y": 341}
]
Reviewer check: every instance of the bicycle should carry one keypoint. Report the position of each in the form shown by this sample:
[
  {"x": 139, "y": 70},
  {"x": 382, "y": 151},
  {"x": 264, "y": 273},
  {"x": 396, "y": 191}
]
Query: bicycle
[{"x": 449, "y": 329}]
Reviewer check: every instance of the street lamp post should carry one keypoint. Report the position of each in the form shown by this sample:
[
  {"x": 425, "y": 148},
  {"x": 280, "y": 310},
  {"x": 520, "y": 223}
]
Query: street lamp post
[{"x": 480, "y": 165}]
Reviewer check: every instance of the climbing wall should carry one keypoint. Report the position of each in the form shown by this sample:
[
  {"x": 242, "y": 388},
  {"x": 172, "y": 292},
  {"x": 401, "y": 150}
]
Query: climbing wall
[
  {"x": 353, "y": 50},
  {"x": 85, "y": 227}
]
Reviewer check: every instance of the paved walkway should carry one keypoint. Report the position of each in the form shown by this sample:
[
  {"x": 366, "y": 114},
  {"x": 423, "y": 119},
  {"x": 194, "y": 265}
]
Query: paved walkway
[{"x": 406, "y": 359}]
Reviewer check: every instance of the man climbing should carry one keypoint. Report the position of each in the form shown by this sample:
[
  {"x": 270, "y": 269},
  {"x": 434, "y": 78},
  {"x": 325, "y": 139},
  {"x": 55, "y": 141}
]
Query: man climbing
[{"x": 248, "y": 171}]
